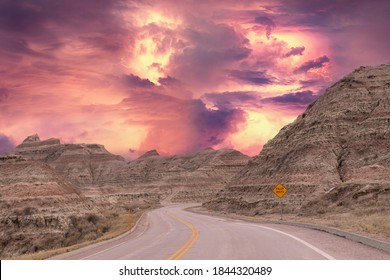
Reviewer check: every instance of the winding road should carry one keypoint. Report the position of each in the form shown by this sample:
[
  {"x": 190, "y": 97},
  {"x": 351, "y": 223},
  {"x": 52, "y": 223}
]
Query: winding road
[{"x": 173, "y": 233}]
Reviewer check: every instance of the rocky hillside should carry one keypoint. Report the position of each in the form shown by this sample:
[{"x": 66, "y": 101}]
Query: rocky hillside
[
  {"x": 95, "y": 171},
  {"x": 189, "y": 177},
  {"x": 335, "y": 156},
  {"x": 36, "y": 205},
  {"x": 40, "y": 209},
  {"x": 85, "y": 165},
  {"x": 54, "y": 195}
]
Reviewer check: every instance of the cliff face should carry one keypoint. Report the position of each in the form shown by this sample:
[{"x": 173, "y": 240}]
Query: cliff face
[
  {"x": 34, "y": 149},
  {"x": 93, "y": 170},
  {"x": 54, "y": 194},
  {"x": 341, "y": 140},
  {"x": 188, "y": 177},
  {"x": 213, "y": 167},
  {"x": 85, "y": 165},
  {"x": 36, "y": 204}
]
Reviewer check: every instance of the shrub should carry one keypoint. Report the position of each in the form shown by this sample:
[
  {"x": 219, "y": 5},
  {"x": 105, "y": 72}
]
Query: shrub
[
  {"x": 92, "y": 218},
  {"x": 28, "y": 211}
]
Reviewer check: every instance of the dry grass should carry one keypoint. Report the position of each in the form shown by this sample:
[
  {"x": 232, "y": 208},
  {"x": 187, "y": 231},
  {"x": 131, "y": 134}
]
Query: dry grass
[
  {"x": 116, "y": 226},
  {"x": 376, "y": 226},
  {"x": 373, "y": 225}
]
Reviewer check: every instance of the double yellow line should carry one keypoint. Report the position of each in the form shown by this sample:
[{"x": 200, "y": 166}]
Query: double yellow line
[{"x": 190, "y": 242}]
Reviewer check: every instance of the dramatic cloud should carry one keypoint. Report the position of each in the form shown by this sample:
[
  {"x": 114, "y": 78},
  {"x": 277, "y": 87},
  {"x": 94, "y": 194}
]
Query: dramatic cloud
[
  {"x": 267, "y": 22},
  {"x": 176, "y": 75},
  {"x": 213, "y": 48},
  {"x": 4, "y": 94},
  {"x": 6, "y": 145},
  {"x": 231, "y": 100},
  {"x": 181, "y": 125},
  {"x": 309, "y": 83},
  {"x": 295, "y": 51},
  {"x": 313, "y": 64},
  {"x": 251, "y": 77},
  {"x": 252, "y": 100},
  {"x": 214, "y": 126},
  {"x": 298, "y": 99},
  {"x": 168, "y": 81},
  {"x": 31, "y": 18},
  {"x": 20, "y": 47},
  {"x": 135, "y": 81}
]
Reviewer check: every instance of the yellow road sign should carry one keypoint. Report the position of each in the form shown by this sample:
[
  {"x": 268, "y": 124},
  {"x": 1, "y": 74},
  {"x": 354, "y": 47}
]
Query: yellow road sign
[{"x": 280, "y": 190}]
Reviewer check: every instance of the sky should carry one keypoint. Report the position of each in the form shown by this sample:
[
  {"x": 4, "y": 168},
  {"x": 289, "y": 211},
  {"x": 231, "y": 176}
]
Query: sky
[{"x": 176, "y": 76}]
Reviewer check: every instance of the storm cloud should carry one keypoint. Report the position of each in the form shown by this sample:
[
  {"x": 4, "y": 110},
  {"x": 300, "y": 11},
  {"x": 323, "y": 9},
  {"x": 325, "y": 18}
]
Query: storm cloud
[
  {"x": 298, "y": 99},
  {"x": 4, "y": 94},
  {"x": 183, "y": 125},
  {"x": 135, "y": 81},
  {"x": 6, "y": 144},
  {"x": 251, "y": 77},
  {"x": 268, "y": 23},
  {"x": 235, "y": 99},
  {"x": 295, "y": 51},
  {"x": 313, "y": 64},
  {"x": 176, "y": 75}
]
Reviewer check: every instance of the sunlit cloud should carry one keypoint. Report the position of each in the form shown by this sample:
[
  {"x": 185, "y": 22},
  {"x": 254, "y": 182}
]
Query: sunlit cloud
[{"x": 177, "y": 76}]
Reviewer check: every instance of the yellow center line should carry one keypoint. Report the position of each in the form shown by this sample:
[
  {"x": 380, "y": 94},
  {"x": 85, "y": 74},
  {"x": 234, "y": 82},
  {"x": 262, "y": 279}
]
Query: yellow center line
[{"x": 190, "y": 242}]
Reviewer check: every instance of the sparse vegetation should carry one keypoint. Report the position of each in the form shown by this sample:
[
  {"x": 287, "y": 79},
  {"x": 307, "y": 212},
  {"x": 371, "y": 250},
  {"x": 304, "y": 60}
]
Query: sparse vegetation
[
  {"x": 83, "y": 230},
  {"x": 28, "y": 211}
]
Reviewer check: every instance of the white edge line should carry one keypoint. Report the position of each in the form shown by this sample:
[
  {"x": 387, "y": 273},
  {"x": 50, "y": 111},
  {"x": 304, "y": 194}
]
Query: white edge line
[
  {"x": 319, "y": 251},
  {"x": 123, "y": 235}
]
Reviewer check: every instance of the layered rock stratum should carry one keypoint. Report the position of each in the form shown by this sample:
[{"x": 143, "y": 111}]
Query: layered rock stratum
[
  {"x": 93, "y": 170},
  {"x": 54, "y": 194},
  {"x": 36, "y": 204},
  {"x": 333, "y": 157},
  {"x": 84, "y": 165},
  {"x": 191, "y": 177}
]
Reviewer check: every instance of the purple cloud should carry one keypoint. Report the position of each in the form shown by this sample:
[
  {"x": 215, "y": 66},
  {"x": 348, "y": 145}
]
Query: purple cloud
[
  {"x": 233, "y": 99},
  {"x": 135, "y": 81},
  {"x": 168, "y": 81},
  {"x": 20, "y": 47},
  {"x": 4, "y": 94},
  {"x": 6, "y": 145},
  {"x": 24, "y": 23},
  {"x": 313, "y": 64},
  {"x": 214, "y": 47},
  {"x": 214, "y": 126},
  {"x": 267, "y": 22},
  {"x": 310, "y": 83},
  {"x": 298, "y": 99},
  {"x": 251, "y": 77},
  {"x": 295, "y": 51},
  {"x": 181, "y": 125}
]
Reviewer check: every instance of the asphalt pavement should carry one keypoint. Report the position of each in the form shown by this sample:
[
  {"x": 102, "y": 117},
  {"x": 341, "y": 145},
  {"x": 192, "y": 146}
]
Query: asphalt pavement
[{"x": 173, "y": 233}]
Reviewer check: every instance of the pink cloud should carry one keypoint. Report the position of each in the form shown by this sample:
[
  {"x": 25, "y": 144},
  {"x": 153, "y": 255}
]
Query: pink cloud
[
  {"x": 6, "y": 144},
  {"x": 174, "y": 75}
]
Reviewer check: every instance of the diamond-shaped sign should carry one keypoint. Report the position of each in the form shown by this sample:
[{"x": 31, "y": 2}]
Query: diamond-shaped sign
[{"x": 280, "y": 190}]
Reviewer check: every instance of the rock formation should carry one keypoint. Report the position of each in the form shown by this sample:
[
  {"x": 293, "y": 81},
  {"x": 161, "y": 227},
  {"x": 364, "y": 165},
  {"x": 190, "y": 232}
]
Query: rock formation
[
  {"x": 36, "y": 204},
  {"x": 34, "y": 149},
  {"x": 338, "y": 148},
  {"x": 85, "y": 165},
  {"x": 54, "y": 194},
  {"x": 151, "y": 153},
  {"x": 93, "y": 170},
  {"x": 191, "y": 177}
]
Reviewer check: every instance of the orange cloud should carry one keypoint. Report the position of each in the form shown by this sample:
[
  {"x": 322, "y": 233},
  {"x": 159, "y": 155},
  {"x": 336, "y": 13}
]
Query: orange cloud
[{"x": 175, "y": 75}]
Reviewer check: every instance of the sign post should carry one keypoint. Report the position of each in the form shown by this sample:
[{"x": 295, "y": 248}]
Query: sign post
[{"x": 280, "y": 191}]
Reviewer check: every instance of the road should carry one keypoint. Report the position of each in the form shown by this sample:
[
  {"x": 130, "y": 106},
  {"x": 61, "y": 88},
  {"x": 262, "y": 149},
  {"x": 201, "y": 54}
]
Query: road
[{"x": 171, "y": 232}]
